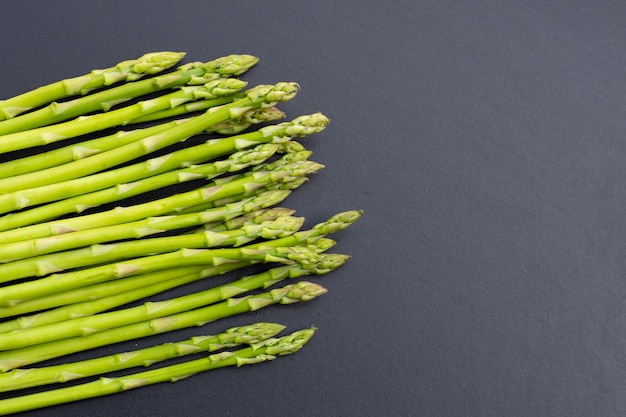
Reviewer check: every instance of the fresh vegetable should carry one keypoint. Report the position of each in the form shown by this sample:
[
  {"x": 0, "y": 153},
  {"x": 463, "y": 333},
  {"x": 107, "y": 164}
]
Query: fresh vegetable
[
  {"x": 190, "y": 74},
  {"x": 256, "y": 353},
  {"x": 249, "y": 334},
  {"x": 289, "y": 294},
  {"x": 100, "y": 223},
  {"x": 131, "y": 70}
]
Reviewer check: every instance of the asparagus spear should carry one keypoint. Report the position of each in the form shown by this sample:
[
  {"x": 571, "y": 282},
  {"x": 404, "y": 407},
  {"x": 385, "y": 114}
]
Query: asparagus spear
[
  {"x": 130, "y": 289},
  {"x": 300, "y": 126},
  {"x": 124, "y": 290},
  {"x": 254, "y": 117},
  {"x": 219, "y": 89},
  {"x": 132, "y": 230},
  {"x": 293, "y": 293},
  {"x": 39, "y": 221},
  {"x": 131, "y": 70},
  {"x": 87, "y": 148},
  {"x": 104, "y": 100},
  {"x": 297, "y": 156},
  {"x": 169, "y": 169},
  {"x": 167, "y": 205},
  {"x": 73, "y": 178},
  {"x": 16, "y": 293},
  {"x": 92, "y": 323},
  {"x": 249, "y": 334},
  {"x": 259, "y": 352},
  {"x": 105, "y": 296},
  {"x": 114, "y": 252},
  {"x": 19, "y": 293}
]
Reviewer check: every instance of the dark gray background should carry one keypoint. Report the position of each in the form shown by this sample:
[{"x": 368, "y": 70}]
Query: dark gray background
[{"x": 486, "y": 142}]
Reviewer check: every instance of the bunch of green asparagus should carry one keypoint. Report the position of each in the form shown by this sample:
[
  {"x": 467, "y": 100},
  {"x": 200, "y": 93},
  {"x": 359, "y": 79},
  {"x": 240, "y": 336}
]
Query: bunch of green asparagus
[{"x": 125, "y": 183}]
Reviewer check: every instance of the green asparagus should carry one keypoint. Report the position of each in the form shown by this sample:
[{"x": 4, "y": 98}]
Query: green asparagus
[
  {"x": 131, "y": 70},
  {"x": 87, "y": 148},
  {"x": 293, "y": 293},
  {"x": 167, "y": 205},
  {"x": 80, "y": 273},
  {"x": 84, "y": 256},
  {"x": 16, "y": 293},
  {"x": 92, "y": 323},
  {"x": 25, "y": 378},
  {"x": 104, "y": 296},
  {"x": 219, "y": 88},
  {"x": 72, "y": 179},
  {"x": 260, "y": 352},
  {"x": 104, "y": 100}
]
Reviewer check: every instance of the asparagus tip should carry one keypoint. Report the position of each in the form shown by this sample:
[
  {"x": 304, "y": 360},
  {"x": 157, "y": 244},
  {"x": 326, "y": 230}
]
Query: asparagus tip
[
  {"x": 288, "y": 344},
  {"x": 251, "y": 333}
]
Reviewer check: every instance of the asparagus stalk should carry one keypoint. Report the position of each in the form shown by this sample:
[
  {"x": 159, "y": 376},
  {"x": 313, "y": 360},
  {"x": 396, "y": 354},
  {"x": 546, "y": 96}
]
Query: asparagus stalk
[
  {"x": 125, "y": 291},
  {"x": 13, "y": 296},
  {"x": 300, "y": 126},
  {"x": 293, "y": 293},
  {"x": 26, "y": 378},
  {"x": 104, "y": 100},
  {"x": 73, "y": 179},
  {"x": 92, "y": 323},
  {"x": 169, "y": 169},
  {"x": 250, "y": 118},
  {"x": 255, "y": 217},
  {"x": 87, "y": 148},
  {"x": 258, "y": 352},
  {"x": 133, "y": 230},
  {"x": 55, "y": 283},
  {"x": 39, "y": 221},
  {"x": 167, "y": 205},
  {"x": 292, "y": 184},
  {"x": 131, "y": 70},
  {"x": 220, "y": 89},
  {"x": 104, "y": 296},
  {"x": 84, "y": 149},
  {"x": 228, "y": 127},
  {"x": 105, "y": 253}
]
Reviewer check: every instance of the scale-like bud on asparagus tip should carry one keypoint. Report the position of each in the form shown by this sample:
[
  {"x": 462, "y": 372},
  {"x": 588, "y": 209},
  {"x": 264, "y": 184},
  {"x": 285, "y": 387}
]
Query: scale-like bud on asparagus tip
[
  {"x": 300, "y": 291},
  {"x": 287, "y": 344},
  {"x": 263, "y": 115},
  {"x": 227, "y": 65},
  {"x": 218, "y": 87},
  {"x": 292, "y": 146},
  {"x": 308, "y": 124},
  {"x": 289, "y": 254},
  {"x": 322, "y": 244},
  {"x": 233, "y": 64},
  {"x": 304, "y": 125},
  {"x": 251, "y": 333},
  {"x": 304, "y": 168},
  {"x": 257, "y": 216},
  {"x": 330, "y": 262},
  {"x": 245, "y": 120},
  {"x": 339, "y": 221},
  {"x": 246, "y": 157},
  {"x": 283, "y": 91},
  {"x": 266, "y": 199},
  {"x": 326, "y": 264},
  {"x": 280, "y": 227},
  {"x": 151, "y": 63}
]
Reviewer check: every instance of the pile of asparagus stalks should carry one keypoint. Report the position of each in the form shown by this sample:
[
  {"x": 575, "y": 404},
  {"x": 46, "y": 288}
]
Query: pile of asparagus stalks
[{"x": 122, "y": 185}]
